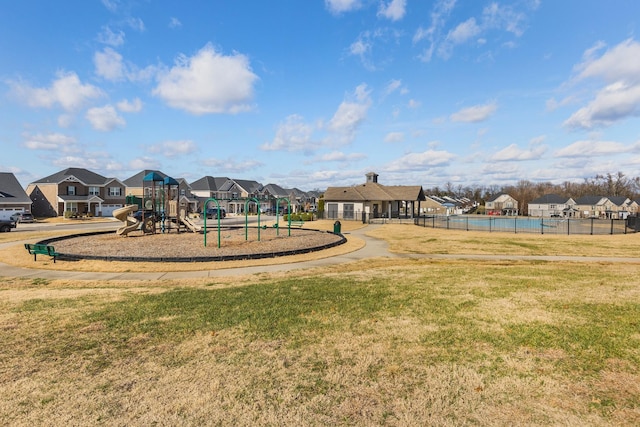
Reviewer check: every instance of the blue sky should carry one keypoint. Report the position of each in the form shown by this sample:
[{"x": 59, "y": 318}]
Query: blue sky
[{"x": 317, "y": 93}]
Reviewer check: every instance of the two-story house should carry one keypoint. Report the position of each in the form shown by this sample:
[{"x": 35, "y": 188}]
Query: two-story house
[
  {"x": 553, "y": 205},
  {"x": 75, "y": 191},
  {"x": 501, "y": 204}
]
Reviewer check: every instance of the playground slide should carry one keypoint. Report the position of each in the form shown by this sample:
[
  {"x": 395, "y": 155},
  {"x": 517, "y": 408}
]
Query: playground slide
[
  {"x": 190, "y": 224},
  {"x": 130, "y": 223}
]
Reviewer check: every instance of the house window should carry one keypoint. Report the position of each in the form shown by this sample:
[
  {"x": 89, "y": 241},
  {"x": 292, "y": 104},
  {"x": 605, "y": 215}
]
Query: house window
[
  {"x": 348, "y": 211},
  {"x": 234, "y": 195},
  {"x": 182, "y": 192},
  {"x": 71, "y": 190},
  {"x": 115, "y": 191},
  {"x": 552, "y": 207},
  {"x": 94, "y": 191}
]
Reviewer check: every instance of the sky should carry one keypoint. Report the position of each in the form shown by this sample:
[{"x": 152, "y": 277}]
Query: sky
[{"x": 317, "y": 93}]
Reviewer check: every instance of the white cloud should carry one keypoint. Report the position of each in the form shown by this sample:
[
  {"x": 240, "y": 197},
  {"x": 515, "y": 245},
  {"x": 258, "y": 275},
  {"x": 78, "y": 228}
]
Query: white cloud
[
  {"x": 350, "y": 115},
  {"x": 67, "y": 91},
  {"x": 339, "y": 156},
  {"x": 110, "y": 37},
  {"x": 52, "y": 142},
  {"x": 340, "y": 6},
  {"x": 173, "y": 148},
  {"x": 477, "y": 113},
  {"x": 208, "y": 82},
  {"x": 393, "y": 86},
  {"x": 594, "y": 149},
  {"x": 611, "y": 104},
  {"x": 619, "y": 69},
  {"x": 292, "y": 135},
  {"x": 136, "y": 24},
  {"x": 394, "y": 137},
  {"x": 413, "y": 104},
  {"x": 515, "y": 153},
  {"x": 142, "y": 163},
  {"x": 109, "y": 64},
  {"x": 105, "y": 118},
  {"x": 127, "y": 106},
  {"x": 111, "y": 5},
  {"x": 394, "y": 10},
  {"x": 511, "y": 19},
  {"x": 465, "y": 31},
  {"x": 420, "y": 161},
  {"x": 231, "y": 165},
  {"x": 174, "y": 23}
]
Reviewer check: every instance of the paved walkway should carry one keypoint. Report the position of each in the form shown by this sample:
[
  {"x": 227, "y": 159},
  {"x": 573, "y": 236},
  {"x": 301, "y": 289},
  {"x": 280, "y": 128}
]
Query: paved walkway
[{"x": 373, "y": 248}]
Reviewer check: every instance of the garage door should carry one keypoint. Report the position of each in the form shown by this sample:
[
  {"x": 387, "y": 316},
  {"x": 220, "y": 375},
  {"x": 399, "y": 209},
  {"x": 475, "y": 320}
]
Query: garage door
[{"x": 107, "y": 210}]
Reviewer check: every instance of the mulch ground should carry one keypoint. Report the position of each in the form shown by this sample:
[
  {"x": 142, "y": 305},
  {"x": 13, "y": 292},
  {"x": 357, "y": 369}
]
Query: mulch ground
[{"x": 233, "y": 242}]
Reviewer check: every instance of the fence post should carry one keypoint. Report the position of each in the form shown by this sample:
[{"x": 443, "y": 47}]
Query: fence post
[
  {"x": 568, "y": 223},
  {"x": 592, "y": 226},
  {"x": 542, "y": 225},
  {"x": 611, "y": 225}
]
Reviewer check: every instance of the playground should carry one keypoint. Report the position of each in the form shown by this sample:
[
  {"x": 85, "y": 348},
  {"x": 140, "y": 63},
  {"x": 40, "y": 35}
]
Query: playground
[{"x": 235, "y": 243}]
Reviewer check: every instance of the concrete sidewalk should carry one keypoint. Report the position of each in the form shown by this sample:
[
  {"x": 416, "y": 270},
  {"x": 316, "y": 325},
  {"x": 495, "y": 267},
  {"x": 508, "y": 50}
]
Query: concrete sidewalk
[{"x": 373, "y": 248}]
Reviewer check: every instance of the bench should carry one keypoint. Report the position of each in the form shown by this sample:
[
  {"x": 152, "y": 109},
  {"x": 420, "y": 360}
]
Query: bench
[
  {"x": 35, "y": 250},
  {"x": 298, "y": 223}
]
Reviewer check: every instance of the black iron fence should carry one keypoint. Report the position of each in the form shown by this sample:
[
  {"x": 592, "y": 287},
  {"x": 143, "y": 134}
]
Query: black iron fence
[{"x": 535, "y": 225}]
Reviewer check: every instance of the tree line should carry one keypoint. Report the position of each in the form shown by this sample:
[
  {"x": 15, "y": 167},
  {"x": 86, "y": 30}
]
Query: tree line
[{"x": 525, "y": 191}]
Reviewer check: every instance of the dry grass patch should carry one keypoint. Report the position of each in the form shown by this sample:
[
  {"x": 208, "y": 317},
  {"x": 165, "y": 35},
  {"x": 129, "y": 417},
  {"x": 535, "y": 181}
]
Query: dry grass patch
[
  {"x": 408, "y": 238},
  {"x": 392, "y": 342}
]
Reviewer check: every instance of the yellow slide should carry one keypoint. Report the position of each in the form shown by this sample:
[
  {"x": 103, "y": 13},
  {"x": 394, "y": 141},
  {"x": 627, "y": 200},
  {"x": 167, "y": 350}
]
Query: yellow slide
[
  {"x": 130, "y": 223},
  {"x": 187, "y": 221}
]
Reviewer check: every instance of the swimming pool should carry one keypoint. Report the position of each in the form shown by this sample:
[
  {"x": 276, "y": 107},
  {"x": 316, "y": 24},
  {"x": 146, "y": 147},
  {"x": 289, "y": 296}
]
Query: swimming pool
[{"x": 517, "y": 224}]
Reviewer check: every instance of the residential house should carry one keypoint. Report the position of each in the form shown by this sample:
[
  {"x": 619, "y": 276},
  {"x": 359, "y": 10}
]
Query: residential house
[
  {"x": 501, "y": 204},
  {"x": 13, "y": 198},
  {"x": 434, "y": 205},
  {"x": 553, "y": 205},
  {"x": 272, "y": 196},
  {"x": 206, "y": 188},
  {"x": 237, "y": 192},
  {"x": 75, "y": 191},
  {"x": 373, "y": 200}
]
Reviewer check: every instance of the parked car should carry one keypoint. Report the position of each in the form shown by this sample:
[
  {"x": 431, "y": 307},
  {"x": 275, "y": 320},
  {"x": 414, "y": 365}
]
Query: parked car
[
  {"x": 22, "y": 217},
  {"x": 6, "y": 225},
  {"x": 214, "y": 213}
]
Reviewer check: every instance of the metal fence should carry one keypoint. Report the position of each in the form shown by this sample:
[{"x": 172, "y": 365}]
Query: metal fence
[{"x": 535, "y": 225}]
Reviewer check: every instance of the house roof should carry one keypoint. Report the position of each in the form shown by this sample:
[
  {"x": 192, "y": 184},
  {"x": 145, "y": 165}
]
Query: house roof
[
  {"x": 85, "y": 176},
  {"x": 246, "y": 185},
  {"x": 275, "y": 190},
  {"x": 551, "y": 198},
  {"x": 11, "y": 192},
  {"x": 138, "y": 179},
  {"x": 372, "y": 191},
  {"x": 498, "y": 196},
  {"x": 208, "y": 183},
  {"x": 590, "y": 200}
]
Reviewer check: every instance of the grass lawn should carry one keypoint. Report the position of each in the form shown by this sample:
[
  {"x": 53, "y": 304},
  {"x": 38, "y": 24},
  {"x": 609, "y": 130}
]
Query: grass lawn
[{"x": 382, "y": 341}]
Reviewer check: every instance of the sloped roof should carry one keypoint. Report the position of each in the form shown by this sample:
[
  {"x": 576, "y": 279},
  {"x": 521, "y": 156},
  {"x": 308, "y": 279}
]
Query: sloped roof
[
  {"x": 551, "y": 198},
  {"x": 248, "y": 186},
  {"x": 374, "y": 192},
  {"x": 137, "y": 179},
  {"x": 275, "y": 190},
  {"x": 589, "y": 200},
  {"x": 618, "y": 200},
  {"x": 85, "y": 176},
  {"x": 11, "y": 191},
  {"x": 208, "y": 183}
]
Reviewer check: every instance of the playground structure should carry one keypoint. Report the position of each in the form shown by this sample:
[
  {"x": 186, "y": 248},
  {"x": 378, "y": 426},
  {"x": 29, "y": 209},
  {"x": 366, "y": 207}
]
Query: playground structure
[
  {"x": 124, "y": 215},
  {"x": 158, "y": 206}
]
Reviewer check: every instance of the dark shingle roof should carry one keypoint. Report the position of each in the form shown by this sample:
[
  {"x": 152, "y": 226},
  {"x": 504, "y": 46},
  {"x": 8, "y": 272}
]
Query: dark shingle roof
[
  {"x": 208, "y": 183},
  {"x": 83, "y": 175},
  {"x": 550, "y": 198},
  {"x": 10, "y": 190},
  {"x": 372, "y": 191}
]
